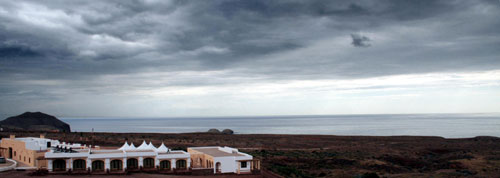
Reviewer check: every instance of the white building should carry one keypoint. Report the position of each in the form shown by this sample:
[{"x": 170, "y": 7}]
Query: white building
[
  {"x": 222, "y": 159},
  {"x": 57, "y": 156},
  {"x": 144, "y": 157},
  {"x": 29, "y": 150}
]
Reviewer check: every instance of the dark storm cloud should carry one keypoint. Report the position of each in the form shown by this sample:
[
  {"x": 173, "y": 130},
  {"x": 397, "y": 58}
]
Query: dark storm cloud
[
  {"x": 193, "y": 35},
  {"x": 360, "y": 41},
  {"x": 81, "y": 42},
  {"x": 9, "y": 52}
]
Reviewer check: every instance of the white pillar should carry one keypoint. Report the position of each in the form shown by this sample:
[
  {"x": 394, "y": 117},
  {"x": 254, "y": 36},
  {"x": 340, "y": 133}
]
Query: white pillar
[
  {"x": 188, "y": 163},
  {"x": 172, "y": 163},
  {"x": 239, "y": 166},
  {"x": 67, "y": 164},
  {"x": 157, "y": 162},
  {"x": 141, "y": 160},
  {"x": 70, "y": 163},
  {"x": 89, "y": 164},
  {"x": 124, "y": 163},
  {"x": 106, "y": 164},
  {"x": 49, "y": 165}
]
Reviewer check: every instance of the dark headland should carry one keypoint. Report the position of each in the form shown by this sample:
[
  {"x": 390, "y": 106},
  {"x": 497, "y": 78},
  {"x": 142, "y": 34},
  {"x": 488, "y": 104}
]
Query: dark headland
[{"x": 34, "y": 121}]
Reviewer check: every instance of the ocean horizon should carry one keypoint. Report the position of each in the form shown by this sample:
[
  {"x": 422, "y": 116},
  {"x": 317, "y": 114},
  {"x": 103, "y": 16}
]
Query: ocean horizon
[{"x": 444, "y": 125}]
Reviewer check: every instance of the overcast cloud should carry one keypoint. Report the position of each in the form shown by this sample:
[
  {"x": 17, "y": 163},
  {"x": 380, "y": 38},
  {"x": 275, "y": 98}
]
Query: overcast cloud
[{"x": 202, "y": 58}]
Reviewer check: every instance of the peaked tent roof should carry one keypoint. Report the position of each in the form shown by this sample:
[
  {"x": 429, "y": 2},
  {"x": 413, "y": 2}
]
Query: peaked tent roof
[
  {"x": 144, "y": 146},
  {"x": 132, "y": 146},
  {"x": 151, "y": 146},
  {"x": 125, "y": 146},
  {"x": 162, "y": 148}
]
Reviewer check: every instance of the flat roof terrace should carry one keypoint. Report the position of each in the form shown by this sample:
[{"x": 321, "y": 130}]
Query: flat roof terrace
[
  {"x": 215, "y": 152},
  {"x": 172, "y": 153}
]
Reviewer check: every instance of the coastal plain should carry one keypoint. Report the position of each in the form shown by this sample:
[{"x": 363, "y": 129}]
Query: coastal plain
[{"x": 328, "y": 155}]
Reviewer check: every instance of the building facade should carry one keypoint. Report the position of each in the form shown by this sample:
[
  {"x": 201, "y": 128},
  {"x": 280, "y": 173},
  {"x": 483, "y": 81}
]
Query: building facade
[
  {"x": 223, "y": 160},
  {"x": 27, "y": 151},
  {"x": 145, "y": 157},
  {"x": 58, "y": 156}
]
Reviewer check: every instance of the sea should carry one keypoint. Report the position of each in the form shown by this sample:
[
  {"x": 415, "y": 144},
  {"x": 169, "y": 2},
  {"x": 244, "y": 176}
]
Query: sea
[{"x": 444, "y": 125}]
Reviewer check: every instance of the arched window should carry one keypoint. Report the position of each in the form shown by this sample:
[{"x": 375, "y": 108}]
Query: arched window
[
  {"x": 180, "y": 164},
  {"x": 59, "y": 165},
  {"x": 98, "y": 165},
  {"x": 79, "y": 165},
  {"x": 165, "y": 164},
  {"x": 116, "y": 165},
  {"x": 149, "y": 163},
  {"x": 218, "y": 167},
  {"x": 132, "y": 163}
]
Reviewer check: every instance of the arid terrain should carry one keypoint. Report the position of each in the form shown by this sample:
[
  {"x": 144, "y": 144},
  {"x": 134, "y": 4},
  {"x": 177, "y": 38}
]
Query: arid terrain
[{"x": 331, "y": 156}]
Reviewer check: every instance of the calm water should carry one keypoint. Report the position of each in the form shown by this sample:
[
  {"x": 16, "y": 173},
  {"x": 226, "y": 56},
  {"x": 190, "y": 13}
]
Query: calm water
[{"x": 445, "y": 125}]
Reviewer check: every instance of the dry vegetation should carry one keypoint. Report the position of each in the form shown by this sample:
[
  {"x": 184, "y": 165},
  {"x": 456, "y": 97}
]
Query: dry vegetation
[{"x": 333, "y": 156}]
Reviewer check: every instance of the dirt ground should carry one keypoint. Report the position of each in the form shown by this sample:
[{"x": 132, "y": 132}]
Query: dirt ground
[
  {"x": 331, "y": 156},
  {"x": 24, "y": 174}
]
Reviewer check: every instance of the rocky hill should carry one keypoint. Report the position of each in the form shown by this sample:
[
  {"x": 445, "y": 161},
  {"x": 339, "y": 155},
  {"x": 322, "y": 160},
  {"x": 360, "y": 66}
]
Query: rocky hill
[{"x": 35, "y": 121}]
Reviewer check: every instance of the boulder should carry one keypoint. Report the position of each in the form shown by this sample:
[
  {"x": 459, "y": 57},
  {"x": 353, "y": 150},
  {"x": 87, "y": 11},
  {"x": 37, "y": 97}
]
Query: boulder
[
  {"x": 227, "y": 131},
  {"x": 213, "y": 131}
]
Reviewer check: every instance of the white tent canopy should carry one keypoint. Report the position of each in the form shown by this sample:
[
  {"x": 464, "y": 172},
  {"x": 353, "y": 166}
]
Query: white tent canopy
[
  {"x": 143, "y": 146},
  {"x": 132, "y": 147},
  {"x": 162, "y": 148},
  {"x": 151, "y": 146},
  {"x": 125, "y": 146}
]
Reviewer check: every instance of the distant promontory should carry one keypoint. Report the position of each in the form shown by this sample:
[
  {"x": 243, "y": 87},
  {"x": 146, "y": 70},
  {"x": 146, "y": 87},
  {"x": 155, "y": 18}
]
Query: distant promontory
[{"x": 34, "y": 121}]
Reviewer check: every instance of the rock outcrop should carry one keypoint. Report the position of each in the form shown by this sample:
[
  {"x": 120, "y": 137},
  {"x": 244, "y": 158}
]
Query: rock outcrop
[
  {"x": 213, "y": 131},
  {"x": 228, "y": 131},
  {"x": 35, "y": 121}
]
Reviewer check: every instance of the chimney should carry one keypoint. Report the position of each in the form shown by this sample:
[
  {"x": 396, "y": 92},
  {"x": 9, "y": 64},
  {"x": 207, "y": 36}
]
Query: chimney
[
  {"x": 42, "y": 135},
  {"x": 12, "y": 136}
]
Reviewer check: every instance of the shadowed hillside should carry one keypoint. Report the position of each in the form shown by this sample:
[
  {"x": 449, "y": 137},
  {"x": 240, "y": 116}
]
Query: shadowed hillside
[{"x": 34, "y": 121}]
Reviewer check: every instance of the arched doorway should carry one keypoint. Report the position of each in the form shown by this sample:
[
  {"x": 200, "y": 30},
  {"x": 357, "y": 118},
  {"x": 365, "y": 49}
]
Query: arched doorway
[
  {"x": 218, "y": 167},
  {"x": 79, "y": 165},
  {"x": 165, "y": 165},
  {"x": 98, "y": 165},
  {"x": 149, "y": 163},
  {"x": 199, "y": 163},
  {"x": 59, "y": 165},
  {"x": 116, "y": 165},
  {"x": 132, "y": 164},
  {"x": 180, "y": 164}
]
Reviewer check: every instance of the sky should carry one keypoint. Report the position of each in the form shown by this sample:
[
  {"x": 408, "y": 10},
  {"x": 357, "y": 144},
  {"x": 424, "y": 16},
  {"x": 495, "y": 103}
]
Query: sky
[{"x": 148, "y": 58}]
